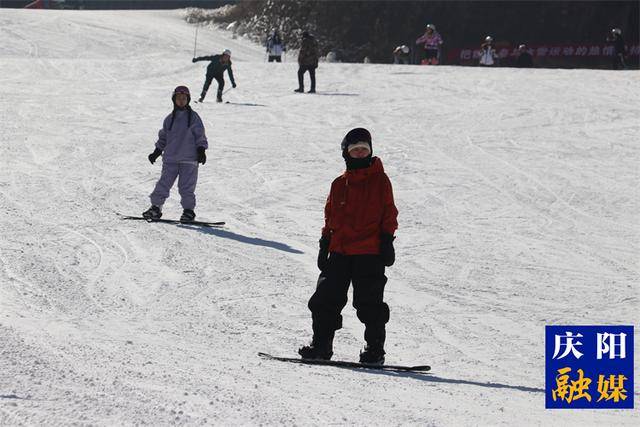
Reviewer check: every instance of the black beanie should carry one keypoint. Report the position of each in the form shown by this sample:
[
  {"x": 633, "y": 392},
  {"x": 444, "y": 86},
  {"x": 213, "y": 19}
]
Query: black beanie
[{"x": 352, "y": 137}]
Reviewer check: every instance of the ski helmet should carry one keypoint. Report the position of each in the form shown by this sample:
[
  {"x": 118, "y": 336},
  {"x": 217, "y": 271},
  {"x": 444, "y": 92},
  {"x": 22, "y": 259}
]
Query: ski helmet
[
  {"x": 617, "y": 31},
  {"x": 522, "y": 46},
  {"x": 404, "y": 48},
  {"x": 181, "y": 89},
  {"x": 431, "y": 27},
  {"x": 488, "y": 39},
  {"x": 226, "y": 52}
]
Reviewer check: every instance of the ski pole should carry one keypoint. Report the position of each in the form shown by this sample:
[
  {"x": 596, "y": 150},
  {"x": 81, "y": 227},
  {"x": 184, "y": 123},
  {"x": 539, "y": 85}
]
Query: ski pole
[{"x": 195, "y": 42}]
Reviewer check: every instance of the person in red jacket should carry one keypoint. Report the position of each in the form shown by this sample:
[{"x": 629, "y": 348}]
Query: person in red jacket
[{"x": 356, "y": 246}]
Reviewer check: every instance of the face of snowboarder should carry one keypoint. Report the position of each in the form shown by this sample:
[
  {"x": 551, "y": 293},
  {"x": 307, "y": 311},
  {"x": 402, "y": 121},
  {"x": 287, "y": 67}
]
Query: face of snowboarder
[
  {"x": 224, "y": 58},
  {"x": 181, "y": 100},
  {"x": 359, "y": 150}
]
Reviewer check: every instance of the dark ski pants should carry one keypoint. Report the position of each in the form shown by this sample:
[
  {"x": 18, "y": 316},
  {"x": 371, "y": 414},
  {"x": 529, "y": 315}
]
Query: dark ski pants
[
  {"x": 366, "y": 273},
  {"x": 618, "y": 62},
  {"x": 187, "y": 174},
  {"x": 207, "y": 83},
  {"x": 312, "y": 73}
]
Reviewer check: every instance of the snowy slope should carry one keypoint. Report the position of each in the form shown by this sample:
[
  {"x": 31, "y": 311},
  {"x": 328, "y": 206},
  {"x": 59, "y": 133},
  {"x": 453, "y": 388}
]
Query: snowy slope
[{"x": 519, "y": 207}]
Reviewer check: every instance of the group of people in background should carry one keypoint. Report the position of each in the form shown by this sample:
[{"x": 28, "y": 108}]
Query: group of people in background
[{"x": 431, "y": 42}]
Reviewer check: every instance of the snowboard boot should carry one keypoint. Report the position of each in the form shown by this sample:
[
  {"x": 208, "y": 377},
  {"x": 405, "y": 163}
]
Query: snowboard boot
[
  {"x": 373, "y": 353},
  {"x": 219, "y": 97},
  {"x": 188, "y": 215},
  {"x": 299, "y": 90},
  {"x": 320, "y": 348},
  {"x": 152, "y": 213}
]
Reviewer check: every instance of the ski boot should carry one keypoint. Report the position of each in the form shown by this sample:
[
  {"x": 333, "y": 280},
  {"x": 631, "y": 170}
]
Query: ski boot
[
  {"x": 188, "y": 215},
  {"x": 152, "y": 213},
  {"x": 219, "y": 97},
  {"x": 320, "y": 348}
]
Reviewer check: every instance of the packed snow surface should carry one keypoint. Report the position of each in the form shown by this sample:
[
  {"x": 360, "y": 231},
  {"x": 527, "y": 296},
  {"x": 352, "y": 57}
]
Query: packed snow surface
[{"x": 519, "y": 208}]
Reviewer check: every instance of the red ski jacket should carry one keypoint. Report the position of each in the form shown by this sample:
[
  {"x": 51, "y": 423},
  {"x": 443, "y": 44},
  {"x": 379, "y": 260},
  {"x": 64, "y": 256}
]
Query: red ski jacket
[{"x": 359, "y": 209}]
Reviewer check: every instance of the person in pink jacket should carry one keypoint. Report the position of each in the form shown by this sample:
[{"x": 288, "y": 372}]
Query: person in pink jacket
[{"x": 431, "y": 41}]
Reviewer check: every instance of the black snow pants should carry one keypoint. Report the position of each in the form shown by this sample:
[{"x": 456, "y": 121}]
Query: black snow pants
[
  {"x": 207, "y": 83},
  {"x": 312, "y": 74},
  {"x": 366, "y": 273}
]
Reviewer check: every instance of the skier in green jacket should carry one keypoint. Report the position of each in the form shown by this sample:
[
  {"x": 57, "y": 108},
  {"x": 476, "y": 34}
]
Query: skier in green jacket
[{"x": 216, "y": 68}]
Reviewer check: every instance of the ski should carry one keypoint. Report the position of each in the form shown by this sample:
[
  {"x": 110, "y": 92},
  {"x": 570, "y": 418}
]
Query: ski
[
  {"x": 174, "y": 221},
  {"x": 346, "y": 364}
]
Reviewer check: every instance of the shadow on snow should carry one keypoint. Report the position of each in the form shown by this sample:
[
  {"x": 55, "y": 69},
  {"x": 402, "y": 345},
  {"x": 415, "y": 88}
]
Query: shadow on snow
[
  {"x": 219, "y": 232},
  {"x": 429, "y": 377}
]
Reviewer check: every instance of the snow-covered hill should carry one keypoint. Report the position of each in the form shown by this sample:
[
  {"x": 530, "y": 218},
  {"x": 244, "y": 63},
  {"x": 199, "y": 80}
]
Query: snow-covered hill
[{"x": 519, "y": 207}]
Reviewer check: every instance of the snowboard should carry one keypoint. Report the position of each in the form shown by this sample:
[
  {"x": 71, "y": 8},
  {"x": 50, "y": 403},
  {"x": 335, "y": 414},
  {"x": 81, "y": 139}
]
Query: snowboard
[
  {"x": 174, "y": 221},
  {"x": 347, "y": 364}
]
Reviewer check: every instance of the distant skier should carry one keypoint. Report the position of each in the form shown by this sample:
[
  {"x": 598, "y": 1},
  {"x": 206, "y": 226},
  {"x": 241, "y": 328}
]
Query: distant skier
[
  {"x": 360, "y": 218},
  {"x": 525, "y": 60},
  {"x": 182, "y": 143},
  {"x": 307, "y": 61},
  {"x": 431, "y": 41},
  {"x": 488, "y": 54},
  {"x": 619, "y": 49},
  {"x": 401, "y": 54},
  {"x": 215, "y": 70},
  {"x": 275, "y": 47}
]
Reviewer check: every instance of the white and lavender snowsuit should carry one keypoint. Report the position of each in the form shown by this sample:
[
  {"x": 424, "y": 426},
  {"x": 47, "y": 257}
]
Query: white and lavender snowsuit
[{"x": 181, "y": 134}]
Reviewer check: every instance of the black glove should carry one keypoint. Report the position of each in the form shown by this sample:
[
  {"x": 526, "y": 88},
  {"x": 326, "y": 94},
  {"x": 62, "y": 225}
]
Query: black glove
[
  {"x": 234, "y": 85},
  {"x": 193, "y": 60},
  {"x": 202, "y": 157},
  {"x": 387, "y": 252},
  {"x": 153, "y": 156},
  {"x": 323, "y": 254}
]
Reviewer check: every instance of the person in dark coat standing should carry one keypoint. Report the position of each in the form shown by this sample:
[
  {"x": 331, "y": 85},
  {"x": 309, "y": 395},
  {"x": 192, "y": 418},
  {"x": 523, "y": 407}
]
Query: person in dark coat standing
[
  {"x": 619, "y": 49},
  {"x": 307, "y": 61},
  {"x": 360, "y": 219},
  {"x": 525, "y": 60},
  {"x": 215, "y": 70}
]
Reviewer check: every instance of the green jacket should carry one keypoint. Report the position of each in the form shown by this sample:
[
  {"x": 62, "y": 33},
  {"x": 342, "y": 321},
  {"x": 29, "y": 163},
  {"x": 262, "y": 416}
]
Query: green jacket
[{"x": 216, "y": 68}]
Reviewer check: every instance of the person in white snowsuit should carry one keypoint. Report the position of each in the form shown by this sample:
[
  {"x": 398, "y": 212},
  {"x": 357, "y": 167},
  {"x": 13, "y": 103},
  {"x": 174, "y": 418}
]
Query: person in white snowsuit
[
  {"x": 488, "y": 54},
  {"x": 275, "y": 47},
  {"x": 182, "y": 143}
]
